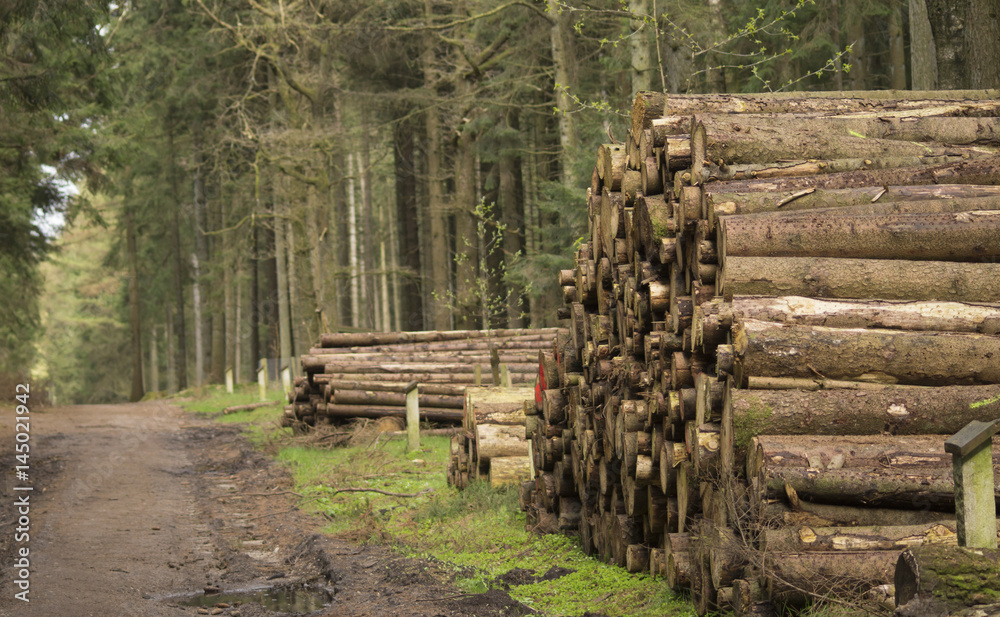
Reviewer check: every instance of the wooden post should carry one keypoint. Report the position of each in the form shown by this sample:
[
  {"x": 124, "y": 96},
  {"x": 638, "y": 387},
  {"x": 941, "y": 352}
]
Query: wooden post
[
  {"x": 505, "y": 376},
  {"x": 495, "y": 364},
  {"x": 975, "y": 506},
  {"x": 262, "y": 378},
  {"x": 478, "y": 374},
  {"x": 286, "y": 377},
  {"x": 229, "y": 379},
  {"x": 412, "y": 417}
]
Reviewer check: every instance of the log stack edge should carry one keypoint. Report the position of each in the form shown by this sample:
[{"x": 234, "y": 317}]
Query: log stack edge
[{"x": 784, "y": 306}]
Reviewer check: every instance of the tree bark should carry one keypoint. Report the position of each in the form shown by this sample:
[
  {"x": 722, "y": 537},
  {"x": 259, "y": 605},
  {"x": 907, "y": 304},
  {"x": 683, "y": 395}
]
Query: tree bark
[
  {"x": 392, "y": 399},
  {"x": 768, "y": 139},
  {"x": 910, "y": 472},
  {"x": 904, "y": 410},
  {"x": 940, "y": 237},
  {"x": 720, "y": 202},
  {"x": 180, "y": 329},
  {"x": 927, "y": 315},
  {"x": 888, "y": 356},
  {"x": 563, "y": 57},
  {"x": 135, "y": 315},
  {"x": 803, "y": 538},
  {"x": 945, "y": 579},
  {"x": 381, "y": 411},
  {"x": 349, "y": 339},
  {"x": 976, "y": 171},
  {"x": 859, "y": 278},
  {"x": 496, "y": 440},
  {"x": 509, "y": 469},
  {"x": 800, "y": 578},
  {"x": 411, "y": 309},
  {"x": 923, "y": 55}
]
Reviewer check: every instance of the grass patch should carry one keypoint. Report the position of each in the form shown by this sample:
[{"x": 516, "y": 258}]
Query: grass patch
[{"x": 480, "y": 531}]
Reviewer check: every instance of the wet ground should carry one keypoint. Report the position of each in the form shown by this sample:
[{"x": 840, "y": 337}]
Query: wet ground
[{"x": 138, "y": 509}]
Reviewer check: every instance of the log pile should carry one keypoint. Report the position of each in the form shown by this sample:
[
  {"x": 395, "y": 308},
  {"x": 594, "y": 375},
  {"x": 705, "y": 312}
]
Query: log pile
[
  {"x": 492, "y": 445},
  {"x": 364, "y": 374},
  {"x": 785, "y": 305}
]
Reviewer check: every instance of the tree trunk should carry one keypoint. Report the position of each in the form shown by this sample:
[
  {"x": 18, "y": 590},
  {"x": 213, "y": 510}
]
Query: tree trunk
[
  {"x": 923, "y": 55},
  {"x": 352, "y": 241},
  {"x": 941, "y": 237},
  {"x": 467, "y": 298},
  {"x": 200, "y": 260},
  {"x": 897, "y": 50},
  {"x": 496, "y": 405},
  {"x": 255, "y": 309},
  {"x": 796, "y": 310},
  {"x": 563, "y": 57},
  {"x": 135, "y": 315},
  {"x": 888, "y": 356},
  {"x": 859, "y": 278},
  {"x": 437, "y": 206},
  {"x": 349, "y": 339},
  {"x": 284, "y": 308},
  {"x": 411, "y": 308},
  {"x": 512, "y": 213},
  {"x": 179, "y": 324},
  {"x": 640, "y": 47}
]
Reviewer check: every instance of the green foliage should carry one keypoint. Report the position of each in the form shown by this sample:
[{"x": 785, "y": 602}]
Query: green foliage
[{"x": 53, "y": 90}]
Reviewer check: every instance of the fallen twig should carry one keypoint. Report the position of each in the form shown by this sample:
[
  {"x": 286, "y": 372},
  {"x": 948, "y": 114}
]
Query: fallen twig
[
  {"x": 381, "y": 492},
  {"x": 249, "y": 407}
]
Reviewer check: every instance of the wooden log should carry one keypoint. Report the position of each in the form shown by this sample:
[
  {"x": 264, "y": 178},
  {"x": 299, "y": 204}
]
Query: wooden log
[
  {"x": 378, "y": 411},
  {"x": 496, "y": 405},
  {"x": 465, "y": 379},
  {"x": 811, "y": 167},
  {"x": 509, "y": 469},
  {"x": 368, "y": 397},
  {"x": 877, "y": 471},
  {"x": 879, "y": 103},
  {"x": 859, "y": 278},
  {"x": 942, "y": 237},
  {"x": 804, "y": 538},
  {"x": 348, "y": 339},
  {"x": 905, "y": 410},
  {"x": 475, "y": 346},
  {"x": 976, "y": 171},
  {"x": 755, "y": 139},
  {"x": 943, "y": 580},
  {"x": 654, "y": 220},
  {"x": 800, "y": 578},
  {"x": 925, "y": 315},
  {"x": 390, "y": 386},
  {"x": 778, "y": 512},
  {"x": 495, "y": 440},
  {"x": 924, "y": 358},
  {"x": 636, "y": 558}
]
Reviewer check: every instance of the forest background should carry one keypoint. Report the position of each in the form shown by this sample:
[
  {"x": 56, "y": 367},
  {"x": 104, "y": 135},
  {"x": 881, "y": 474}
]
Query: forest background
[{"x": 188, "y": 186}]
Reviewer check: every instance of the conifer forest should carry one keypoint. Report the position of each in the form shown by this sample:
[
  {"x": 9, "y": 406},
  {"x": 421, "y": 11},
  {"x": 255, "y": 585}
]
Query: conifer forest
[{"x": 190, "y": 186}]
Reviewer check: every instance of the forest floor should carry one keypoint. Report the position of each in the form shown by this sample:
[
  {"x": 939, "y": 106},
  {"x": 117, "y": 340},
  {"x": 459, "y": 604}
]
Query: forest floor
[{"x": 138, "y": 508}]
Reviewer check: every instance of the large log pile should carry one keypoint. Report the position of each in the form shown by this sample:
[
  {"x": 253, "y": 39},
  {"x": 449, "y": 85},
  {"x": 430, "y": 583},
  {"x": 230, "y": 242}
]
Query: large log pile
[
  {"x": 785, "y": 305},
  {"x": 364, "y": 374}
]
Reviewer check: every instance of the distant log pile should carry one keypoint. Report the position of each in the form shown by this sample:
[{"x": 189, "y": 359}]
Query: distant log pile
[
  {"x": 785, "y": 305},
  {"x": 492, "y": 445},
  {"x": 364, "y": 374}
]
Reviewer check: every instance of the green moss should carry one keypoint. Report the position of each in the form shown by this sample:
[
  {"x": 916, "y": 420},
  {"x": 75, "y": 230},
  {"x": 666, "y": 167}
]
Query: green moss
[
  {"x": 960, "y": 576},
  {"x": 756, "y": 421}
]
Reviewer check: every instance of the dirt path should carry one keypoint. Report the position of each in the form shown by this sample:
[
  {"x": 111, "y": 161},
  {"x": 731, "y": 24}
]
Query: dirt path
[{"x": 138, "y": 507}]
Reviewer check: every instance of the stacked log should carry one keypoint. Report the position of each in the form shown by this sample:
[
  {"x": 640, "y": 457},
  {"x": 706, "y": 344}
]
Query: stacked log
[
  {"x": 365, "y": 374},
  {"x": 492, "y": 445},
  {"x": 785, "y": 305}
]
